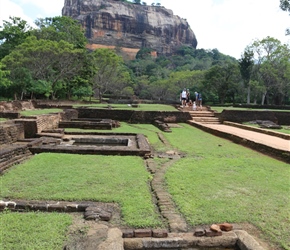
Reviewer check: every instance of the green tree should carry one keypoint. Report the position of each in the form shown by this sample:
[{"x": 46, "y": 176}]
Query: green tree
[
  {"x": 12, "y": 34},
  {"x": 50, "y": 61},
  {"x": 272, "y": 66},
  {"x": 222, "y": 79},
  {"x": 285, "y": 5},
  {"x": 109, "y": 71},
  {"x": 137, "y": 1},
  {"x": 246, "y": 64},
  {"x": 4, "y": 80},
  {"x": 61, "y": 28}
]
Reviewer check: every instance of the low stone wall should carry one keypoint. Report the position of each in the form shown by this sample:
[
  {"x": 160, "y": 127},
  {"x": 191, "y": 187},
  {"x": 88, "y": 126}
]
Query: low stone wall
[
  {"x": 12, "y": 155},
  {"x": 35, "y": 124},
  {"x": 133, "y": 116},
  {"x": 240, "y": 116},
  {"x": 11, "y": 132},
  {"x": 16, "y": 105},
  {"x": 9, "y": 114},
  {"x": 68, "y": 115}
]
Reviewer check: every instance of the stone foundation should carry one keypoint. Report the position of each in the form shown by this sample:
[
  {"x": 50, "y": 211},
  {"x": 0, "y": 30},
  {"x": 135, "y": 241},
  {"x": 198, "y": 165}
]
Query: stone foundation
[
  {"x": 10, "y": 132},
  {"x": 12, "y": 155},
  {"x": 240, "y": 116},
  {"x": 133, "y": 116}
]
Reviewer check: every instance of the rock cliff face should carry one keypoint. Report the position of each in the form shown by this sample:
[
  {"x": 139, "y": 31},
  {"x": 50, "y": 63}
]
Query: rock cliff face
[{"x": 130, "y": 26}]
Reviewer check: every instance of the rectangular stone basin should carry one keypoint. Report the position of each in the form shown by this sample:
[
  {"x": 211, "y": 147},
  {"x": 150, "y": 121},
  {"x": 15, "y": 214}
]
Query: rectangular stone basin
[
  {"x": 101, "y": 141},
  {"x": 96, "y": 143}
]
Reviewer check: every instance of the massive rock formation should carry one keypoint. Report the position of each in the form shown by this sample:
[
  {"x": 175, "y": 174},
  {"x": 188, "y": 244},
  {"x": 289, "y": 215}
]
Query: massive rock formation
[{"x": 130, "y": 26}]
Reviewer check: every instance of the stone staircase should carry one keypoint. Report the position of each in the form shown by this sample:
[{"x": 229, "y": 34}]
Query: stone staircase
[{"x": 205, "y": 116}]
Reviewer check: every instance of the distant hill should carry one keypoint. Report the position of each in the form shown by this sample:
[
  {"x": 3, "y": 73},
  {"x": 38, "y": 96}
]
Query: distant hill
[{"x": 112, "y": 23}]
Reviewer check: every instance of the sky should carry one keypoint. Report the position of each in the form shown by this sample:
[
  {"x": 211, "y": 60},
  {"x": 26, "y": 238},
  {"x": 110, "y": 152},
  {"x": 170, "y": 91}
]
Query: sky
[{"x": 226, "y": 25}]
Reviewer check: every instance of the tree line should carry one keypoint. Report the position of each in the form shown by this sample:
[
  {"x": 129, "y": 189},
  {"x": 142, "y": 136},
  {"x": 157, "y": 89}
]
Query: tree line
[{"x": 51, "y": 61}]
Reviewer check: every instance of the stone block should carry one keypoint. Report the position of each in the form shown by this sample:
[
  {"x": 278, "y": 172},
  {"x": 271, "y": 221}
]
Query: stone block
[
  {"x": 226, "y": 227},
  {"x": 105, "y": 216},
  {"x": 55, "y": 208},
  {"x": 21, "y": 205},
  {"x": 159, "y": 233},
  {"x": 199, "y": 232},
  {"x": 128, "y": 233},
  {"x": 210, "y": 233},
  {"x": 82, "y": 207},
  {"x": 142, "y": 233},
  {"x": 39, "y": 207},
  {"x": 215, "y": 228},
  {"x": 71, "y": 208},
  {"x": 11, "y": 205},
  {"x": 2, "y": 205}
]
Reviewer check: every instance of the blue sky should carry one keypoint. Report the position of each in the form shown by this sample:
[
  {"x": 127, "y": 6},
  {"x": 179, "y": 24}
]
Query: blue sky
[{"x": 227, "y": 25}]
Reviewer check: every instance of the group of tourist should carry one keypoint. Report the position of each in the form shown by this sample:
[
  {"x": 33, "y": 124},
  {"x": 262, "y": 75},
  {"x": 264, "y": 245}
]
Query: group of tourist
[{"x": 187, "y": 102}]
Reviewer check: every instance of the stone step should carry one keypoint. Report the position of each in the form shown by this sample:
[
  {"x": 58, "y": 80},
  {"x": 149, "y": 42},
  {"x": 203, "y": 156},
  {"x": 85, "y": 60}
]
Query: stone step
[
  {"x": 54, "y": 135},
  {"x": 202, "y": 115},
  {"x": 205, "y": 119}
]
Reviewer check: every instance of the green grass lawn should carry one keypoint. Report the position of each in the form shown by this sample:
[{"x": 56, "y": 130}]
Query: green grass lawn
[
  {"x": 39, "y": 112},
  {"x": 18, "y": 230},
  {"x": 3, "y": 119},
  {"x": 141, "y": 107},
  {"x": 284, "y": 129},
  {"x": 220, "y": 109},
  {"x": 217, "y": 181},
  {"x": 71, "y": 177}
]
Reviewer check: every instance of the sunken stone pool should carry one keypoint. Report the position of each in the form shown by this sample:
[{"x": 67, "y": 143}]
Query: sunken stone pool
[
  {"x": 94, "y": 143},
  {"x": 102, "y": 141}
]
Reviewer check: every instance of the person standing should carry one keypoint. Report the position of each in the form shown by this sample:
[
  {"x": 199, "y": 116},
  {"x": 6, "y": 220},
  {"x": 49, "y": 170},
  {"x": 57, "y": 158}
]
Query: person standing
[
  {"x": 200, "y": 101},
  {"x": 183, "y": 96},
  {"x": 187, "y": 97},
  {"x": 196, "y": 98}
]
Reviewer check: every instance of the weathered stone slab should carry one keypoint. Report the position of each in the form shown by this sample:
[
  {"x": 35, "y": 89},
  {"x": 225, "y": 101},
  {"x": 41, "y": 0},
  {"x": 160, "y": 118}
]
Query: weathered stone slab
[{"x": 141, "y": 233}]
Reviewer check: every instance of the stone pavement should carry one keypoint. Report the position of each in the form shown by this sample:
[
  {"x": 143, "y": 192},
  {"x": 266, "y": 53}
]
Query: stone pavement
[
  {"x": 270, "y": 144},
  {"x": 269, "y": 140}
]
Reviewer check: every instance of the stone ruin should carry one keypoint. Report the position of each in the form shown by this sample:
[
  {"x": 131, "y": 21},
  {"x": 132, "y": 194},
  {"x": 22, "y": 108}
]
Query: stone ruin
[
  {"x": 25, "y": 136},
  {"x": 22, "y": 137}
]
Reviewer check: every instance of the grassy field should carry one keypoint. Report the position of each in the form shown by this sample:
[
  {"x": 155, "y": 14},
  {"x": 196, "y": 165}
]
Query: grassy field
[
  {"x": 220, "y": 181},
  {"x": 216, "y": 181},
  {"x": 141, "y": 107},
  {"x": 220, "y": 109},
  {"x": 39, "y": 112},
  {"x": 18, "y": 230},
  {"x": 284, "y": 129}
]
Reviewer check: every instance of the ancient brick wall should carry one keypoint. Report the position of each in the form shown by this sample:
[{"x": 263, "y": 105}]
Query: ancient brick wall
[
  {"x": 16, "y": 105},
  {"x": 13, "y": 155},
  {"x": 10, "y": 133},
  {"x": 135, "y": 116},
  {"x": 68, "y": 115},
  {"x": 282, "y": 118},
  {"x": 10, "y": 114},
  {"x": 35, "y": 124}
]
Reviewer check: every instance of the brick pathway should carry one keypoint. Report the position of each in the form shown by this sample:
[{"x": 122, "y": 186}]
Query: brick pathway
[{"x": 269, "y": 140}]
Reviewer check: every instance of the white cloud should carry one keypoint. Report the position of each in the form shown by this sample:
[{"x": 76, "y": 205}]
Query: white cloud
[
  {"x": 49, "y": 8},
  {"x": 9, "y": 8},
  {"x": 231, "y": 25},
  {"x": 30, "y": 10}
]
